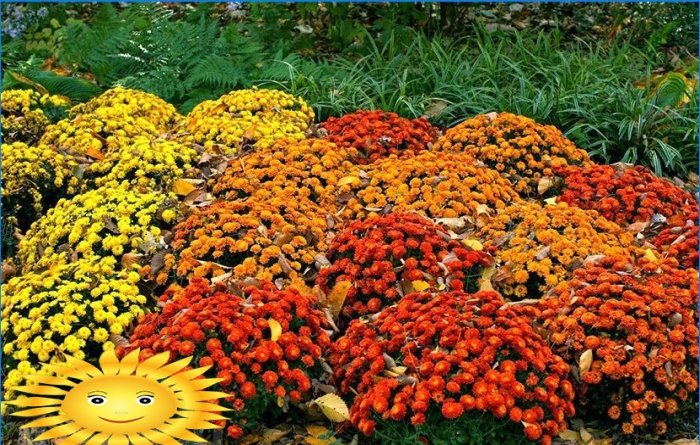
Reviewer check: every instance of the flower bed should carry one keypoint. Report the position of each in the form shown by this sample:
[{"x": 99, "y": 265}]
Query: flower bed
[{"x": 27, "y": 113}]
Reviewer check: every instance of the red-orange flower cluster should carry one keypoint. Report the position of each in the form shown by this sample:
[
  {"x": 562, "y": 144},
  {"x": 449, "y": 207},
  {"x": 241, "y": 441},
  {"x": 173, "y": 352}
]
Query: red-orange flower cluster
[
  {"x": 679, "y": 239},
  {"x": 622, "y": 193},
  {"x": 455, "y": 352},
  {"x": 384, "y": 257},
  {"x": 632, "y": 330},
  {"x": 266, "y": 344},
  {"x": 378, "y": 134}
]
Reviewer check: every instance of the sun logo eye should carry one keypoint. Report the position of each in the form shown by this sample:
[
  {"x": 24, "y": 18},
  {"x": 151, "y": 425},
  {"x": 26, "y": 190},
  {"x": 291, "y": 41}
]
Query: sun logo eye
[
  {"x": 97, "y": 400},
  {"x": 144, "y": 400}
]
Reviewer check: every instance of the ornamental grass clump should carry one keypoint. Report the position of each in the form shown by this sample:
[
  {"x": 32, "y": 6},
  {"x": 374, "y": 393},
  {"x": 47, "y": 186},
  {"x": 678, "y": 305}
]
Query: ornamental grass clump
[
  {"x": 437, "y": 185},
  {"x": 248, "y": 119},
  {"x": 99, "y": 223},
  {"x": 448, "y": 359},
  {"x": 516, "y": 146},
  {"x": 310, "y": 168},
  {"x": 623, "y": 193},
  {"x": 247, "y": 239},
  {"x": 378, "y": 134},
  {"x": 27, "y": 113},
  {"x": 631, "y": 329},
  {"x": 265, "y": 344},
  {"x": 536, "y": 247},
  {"x": 74, "y": 308},
  {"x": 385, "y": 257}
]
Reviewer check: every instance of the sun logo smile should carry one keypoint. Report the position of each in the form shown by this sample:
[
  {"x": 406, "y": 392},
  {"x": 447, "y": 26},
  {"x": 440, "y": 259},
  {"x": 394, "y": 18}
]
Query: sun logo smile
[{"x": 123, "y": 402}]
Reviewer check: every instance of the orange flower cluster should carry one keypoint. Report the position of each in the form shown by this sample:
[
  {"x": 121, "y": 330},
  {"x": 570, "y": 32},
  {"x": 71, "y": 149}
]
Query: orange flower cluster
[
  {"x": 310, "y": 168},
  {"x": 453, "y": 352},
  {"x": 633, "y": 331},
  {"x": 516, "y": 146},
  {"x": 378, "y": 134},
  {"x": 265, "y": 344},
  {"x": 680, "y": 238},
  {"x": 386, "y": 256},
  {"x": 538, "y": 247},
  {"x": 438, "y": 185},
  {"x": 622, "y": 193},
  {"x": 247, "y": 239}
]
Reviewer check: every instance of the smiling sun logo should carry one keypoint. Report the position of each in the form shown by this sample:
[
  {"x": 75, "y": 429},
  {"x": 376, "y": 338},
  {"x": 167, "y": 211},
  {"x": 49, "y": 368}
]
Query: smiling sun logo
[{"x": 123, "y": 402}]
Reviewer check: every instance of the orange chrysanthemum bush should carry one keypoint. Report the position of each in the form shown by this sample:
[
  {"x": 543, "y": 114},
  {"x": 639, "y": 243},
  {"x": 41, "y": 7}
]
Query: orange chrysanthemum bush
[
  {"x": 266, "y": 344},
  {"x": 622, "y": 193},
  {"x": 450, "y": 364},
  {"x": 438, "y": 185},
  {"x": 247, "y": 239},
  {"x": 516, "y": 146},
  {"x": 310, "y": 168},
  {"x": 378, "y": 134},
  {"x": 632, "y": 330},
  {"x": 536, "y": 247},
  {"x": 679, "y": 239},
  {"x": 386, "y": 256}
]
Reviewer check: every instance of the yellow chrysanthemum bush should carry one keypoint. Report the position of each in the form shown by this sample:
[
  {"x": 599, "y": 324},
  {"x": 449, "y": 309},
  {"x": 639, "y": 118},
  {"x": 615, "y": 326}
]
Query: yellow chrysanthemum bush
[
  {"x": 437, "y": 185},
  {"x": 26, "y": 113},
  {"x": 311, "y": 168},
  {"x": 518, "y": 147},
  {"x": 247, "y": 119},
  {"x": 33, "y": 179},
  {"x": 536, "y": 247},
  {"x": 266, "y": 240},
  {"x": 109, "y": 221},
  {"x": 75, "y": 308}
]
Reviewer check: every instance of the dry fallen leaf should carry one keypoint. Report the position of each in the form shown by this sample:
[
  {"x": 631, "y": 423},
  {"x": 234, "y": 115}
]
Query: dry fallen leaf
[
  {"x": 473, "y": 244},
  {"x": 319, "y": 435},
  {"x": 184, "y": 187},
  {"x": 420, "y": 286},
  {"x": 275, "y": 329},
  {"x": 485, "y": 279},
  {"x": 585, "y": 361},
  {"x": 348, "y": 180},
  {"x": 333, "y": 407},
  {"x": 336, "y": 297}
]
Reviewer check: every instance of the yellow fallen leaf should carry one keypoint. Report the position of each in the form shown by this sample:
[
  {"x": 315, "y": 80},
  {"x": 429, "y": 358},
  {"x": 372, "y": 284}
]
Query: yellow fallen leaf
[
  {"x": 586, "y": 437},
  {"x": 183, "y": 187},
  {"x": 482, "y": 208},
  {"x": 551, "y": 201},
  {"x": 420, "y": 286},
  {"x": 275, "y": 329},
  {"x": 319, "y": 435},
  {"x": 473, "y": 244},
  {"x": 348, "y": 180},
  {"x": 570, "y": 435},
  {"x": 649, "y": 254},
  {"x": 333, "y": 407},
  {"x": 485, "y": 279},
  {"x": 95, "y": 153},
  {"x": 585, "y": 361},
  {"x": 336, "y": 297}
]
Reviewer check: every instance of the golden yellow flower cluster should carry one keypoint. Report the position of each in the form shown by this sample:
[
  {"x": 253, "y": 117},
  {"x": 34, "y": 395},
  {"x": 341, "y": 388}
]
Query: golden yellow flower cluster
[
  {"x": 518, "y": 147},
  {"x": 23, "y": 117},
  {"x": 105, "y": 222},
  {"x": 538, "y": 247},
  {"x": 245, "y": 119},
  {"x": 437, "y": 185},
  {"x": 68, "y": 308},
  {"x": 33, "y": 178}
]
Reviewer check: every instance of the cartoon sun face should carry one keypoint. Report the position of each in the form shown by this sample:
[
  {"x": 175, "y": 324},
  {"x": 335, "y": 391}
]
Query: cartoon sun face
[{"x": 123, "y": 402}]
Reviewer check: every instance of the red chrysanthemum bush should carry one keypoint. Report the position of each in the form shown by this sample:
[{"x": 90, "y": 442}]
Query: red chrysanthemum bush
[
  {"x": 679, "y": 239},
  {"x": 266, "y": 344},
  {"x": 622, "y": 193},
  {"x": 451, "y": 357},
  {"x": 632, "y": 332},
  {"x": 378, "y": 134},
  {"x": 273, "y": 240},
  {"x": 386, "y": 256},
  {"x": 516, "y": 146}
]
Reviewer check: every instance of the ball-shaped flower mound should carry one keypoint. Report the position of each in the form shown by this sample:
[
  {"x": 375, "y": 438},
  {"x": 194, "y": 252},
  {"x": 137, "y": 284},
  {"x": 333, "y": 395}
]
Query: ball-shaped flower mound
[
  {"x": 70, "y": 308},
  {"x": 679, "y": 239},
  {"x": 516, "y": 146},
  {"x": 437, "y": 185},
  {"x": 378, "y": 134},
  {"x": 248, "y": 239},
  {"x": 266, "y": 344},
  {"x": 537, "y": 247},
  {"x": 26, "y": 113},
  {"x": 311, "y": 168},
  {"x": 632, "y": 330},
  {"x": 384, "y": 257},
  {"x": 245, "y": 119},
  {"x": 145, "y": 163},
  {"x": 449, "y": 357},
  {"x": 134, "y": 103},
  {"x": 104, "y": 222},
  {"x": 622, "y": 193}
]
